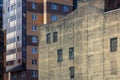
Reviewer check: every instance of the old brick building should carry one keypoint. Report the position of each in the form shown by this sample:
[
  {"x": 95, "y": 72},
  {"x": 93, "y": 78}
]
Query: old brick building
[{"x": 82, "y": 46}]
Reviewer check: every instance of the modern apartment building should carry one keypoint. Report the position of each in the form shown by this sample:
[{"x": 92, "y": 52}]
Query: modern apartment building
[
  {"x": 84, "y": 45},
  {"x": 20, "y": 20},
  {"x": 2, "y": 46}
]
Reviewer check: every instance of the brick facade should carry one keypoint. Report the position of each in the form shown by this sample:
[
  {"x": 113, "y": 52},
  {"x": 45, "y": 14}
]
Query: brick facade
[{"x": 89, "y": 31}]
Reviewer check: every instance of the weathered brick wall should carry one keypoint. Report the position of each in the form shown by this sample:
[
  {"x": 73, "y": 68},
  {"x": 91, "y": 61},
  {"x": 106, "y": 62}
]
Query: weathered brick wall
[
  {"x": 112, "y": 30},
  {"x": 88, "y": 30}
]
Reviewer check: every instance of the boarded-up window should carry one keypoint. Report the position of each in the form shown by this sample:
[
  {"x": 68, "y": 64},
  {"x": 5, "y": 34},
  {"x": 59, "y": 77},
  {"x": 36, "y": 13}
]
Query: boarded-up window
[
  {"x": 113, "y": 65},
  {"x": 72, "y": 70}
]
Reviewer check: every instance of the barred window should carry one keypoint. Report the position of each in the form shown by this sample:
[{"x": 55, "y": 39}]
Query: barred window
[
  {"x": 113, "y": 44},
  {"x": 71, "y": 53},
  {"x": 59, "y": 55}
]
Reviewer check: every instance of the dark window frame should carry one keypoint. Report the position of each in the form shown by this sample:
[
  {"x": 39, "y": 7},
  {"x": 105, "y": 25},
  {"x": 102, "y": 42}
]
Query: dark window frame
[
  {"x": 34, "y": 61},
  {"x": 72, "y": 72},
  {"x": 71, "y": 53},
  {"x": 113, "y": 44},
  {"x": 59, "y": 55},
  {"x": 48, "y": 38},
  {"x": 55, "y": 36}
]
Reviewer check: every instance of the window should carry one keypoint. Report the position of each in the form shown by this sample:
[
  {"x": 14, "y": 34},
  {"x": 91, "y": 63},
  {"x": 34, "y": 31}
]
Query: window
[
  {"x": 18, "y": 4},
  {"x": 12, "y": 23},
  {"x": 113, "y": 44},
  {"x": 54, "y": 7},
  {"x": 59, "y": 55},
  {"x": 9, "y": 63},
  {"x": 71, "y": 72},
  {"x": 34, "y": 39},
  {"x": 34, "y": 28},
  {"x": 8, "y": 9},
  {"x": 34, "y": 17},
  {"x": 34, "y": 73},
  {"x": 34, "y": 6},
  {"x": 14, "y": 76},
  {"x": 53, "y": 18},
  {"x": 65, "y": 8},
  {"x": 18, "y": 49},
  {"x": 34, "y": 61},
  {"x": 12, "y": 13},
  {"x": 17, "y": 38},
  {"x": 19, "y": 61},
  {"x": 114, "y": 69},
  {"x": 34, "y": 50},
  {"x": 1, "y": 5},
  {"x": 23, "y": 74},
  {"x": 55, "y": 36},
  {"x": 13, "y": 6},
  {"x": 48, "y": 38},
  {"x": 118, "y": 5},
  {"x": 71, "y": 53}
]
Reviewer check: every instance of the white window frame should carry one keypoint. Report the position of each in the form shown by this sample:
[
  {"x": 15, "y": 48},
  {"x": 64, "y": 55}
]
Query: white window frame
[
  {"x": 34, "y": 5},
  {"x": 34, "y": 39},
  {"x": 34, "y": 74},
  {"x": 34, "y": 50}
]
